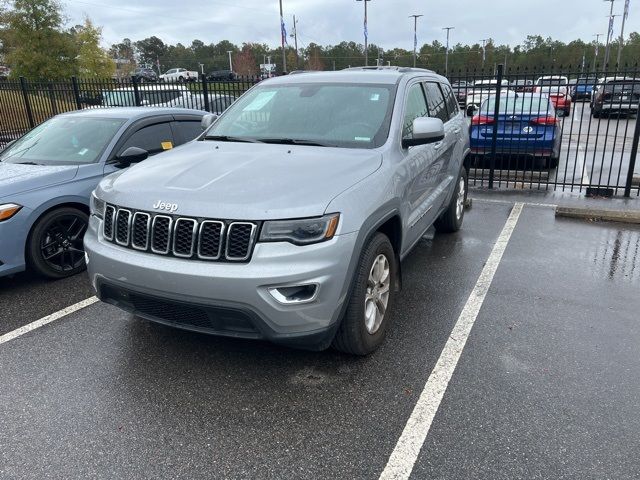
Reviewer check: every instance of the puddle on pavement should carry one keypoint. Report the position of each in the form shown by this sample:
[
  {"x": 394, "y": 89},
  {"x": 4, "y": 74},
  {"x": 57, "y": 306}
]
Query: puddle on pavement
[{"x": 616, "y": 255}]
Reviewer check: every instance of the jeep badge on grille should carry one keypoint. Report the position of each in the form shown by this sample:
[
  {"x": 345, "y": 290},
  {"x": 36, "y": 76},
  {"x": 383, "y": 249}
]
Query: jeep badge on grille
[{"x": 170, "y": 207}]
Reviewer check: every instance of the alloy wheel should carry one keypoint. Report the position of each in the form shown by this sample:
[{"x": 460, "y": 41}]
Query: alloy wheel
[
  {"x": 61, "y": 243},
  {"x": 377, "y": 295},
  {"x": 460, "y": 198}
]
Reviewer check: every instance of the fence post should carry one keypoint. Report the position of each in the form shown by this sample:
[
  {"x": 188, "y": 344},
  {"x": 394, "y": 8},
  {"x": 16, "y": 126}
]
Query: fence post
[
  {"x": 205, "y": 94},
  {"x": 494, "y": 136},
  {"x": 27, "y": 104},
  {"x": 52, "y": 99},
  {"x": 634, "y": 154},
  {"x": 136, "y": 92},
  {"x": 76, "y": 92}
]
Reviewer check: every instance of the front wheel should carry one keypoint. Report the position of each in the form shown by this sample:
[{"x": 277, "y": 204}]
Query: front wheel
[
  {"x": 55, "y": 248},
  {"x": 364, "y": 325},
  {"x": 451, "y": 219}
]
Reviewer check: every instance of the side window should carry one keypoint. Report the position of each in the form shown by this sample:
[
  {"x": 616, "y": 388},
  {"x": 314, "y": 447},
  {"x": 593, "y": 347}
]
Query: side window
[
  {"x": 416, "y": 107},
  {"x": 452, "y": 103},
  {"x": 153, "y": 138},
  {"x": 435, "y": 100},
  {"x": 186, "y": 130}
]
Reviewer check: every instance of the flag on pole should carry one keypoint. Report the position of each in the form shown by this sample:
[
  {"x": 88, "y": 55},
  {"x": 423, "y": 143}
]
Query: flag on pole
[
  {"x": 626, "y": 9},
  {"x": 610, "y": 34},
  {"x": 366, "y": 33},
  {"x": 283, "y": 32}
]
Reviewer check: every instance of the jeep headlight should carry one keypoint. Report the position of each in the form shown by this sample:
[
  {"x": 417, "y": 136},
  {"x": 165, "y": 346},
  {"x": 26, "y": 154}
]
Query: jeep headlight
[
  {"x": 8, "y": 210},
  {"x": 97, "y": 206},
  {"x": 301, "y": 231}
]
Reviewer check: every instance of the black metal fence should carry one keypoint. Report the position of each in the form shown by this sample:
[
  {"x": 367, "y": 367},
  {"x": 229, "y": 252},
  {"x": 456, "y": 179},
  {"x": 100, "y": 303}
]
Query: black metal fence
[
  {"x": 562, "y": 129},
  {"x": 586, "y": 141},
  {"x": 25, "y": 104}
]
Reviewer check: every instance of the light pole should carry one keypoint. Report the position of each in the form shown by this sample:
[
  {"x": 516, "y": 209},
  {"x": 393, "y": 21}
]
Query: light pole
[
  {"x": 609, "y": 34},
  {"x": 625, "y": 15},
  {"x": 230, "y": 64},
  {"x": 484, "y": 50},
  {"x": 366, "y": 34},
  {"x": 283, "y": 39},
  {"x": 415, "y": 37},
  {"x": 446, "y": 55},
  {"x": 295, "y": 39},
  {"x": 597, "y": 48}
]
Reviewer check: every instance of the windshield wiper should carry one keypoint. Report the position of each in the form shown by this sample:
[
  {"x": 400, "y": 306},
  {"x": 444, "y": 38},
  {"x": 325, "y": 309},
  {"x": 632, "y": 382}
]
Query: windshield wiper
[
  {"x": 227, "y": 138},
  {"x": 26, "y": 163},
  {"x": 294, "y": 141}
]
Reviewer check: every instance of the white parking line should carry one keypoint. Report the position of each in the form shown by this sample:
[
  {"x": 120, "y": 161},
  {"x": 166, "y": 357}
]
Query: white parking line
[
  {"x": 405, "y": 453},
  {"x": 584, "y": 176},
  {"x": 48, "y": 319}
]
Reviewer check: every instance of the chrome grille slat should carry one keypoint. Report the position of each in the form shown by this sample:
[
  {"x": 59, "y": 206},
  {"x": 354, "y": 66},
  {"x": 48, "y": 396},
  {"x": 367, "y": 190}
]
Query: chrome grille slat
[
  {"x": 183, "y": 237},
  {"x": 210, "y": 239},
  {"x": 240, "y": 240},
  {"x": 140, "y": 230}
]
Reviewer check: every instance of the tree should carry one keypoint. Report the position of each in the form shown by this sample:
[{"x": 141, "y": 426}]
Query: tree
[
  {"x": 244, "y": 62},
  {"x": 92, "y": 60},
  {"x": 150, "y": 50},
  {"x": 314, "y": 57},
  {"x": 123, "y": 55},
  {"x": 37, "y": 46}
]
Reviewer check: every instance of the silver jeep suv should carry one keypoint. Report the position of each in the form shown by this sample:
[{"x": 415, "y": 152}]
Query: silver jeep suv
[{"x": 288, "y": 218}]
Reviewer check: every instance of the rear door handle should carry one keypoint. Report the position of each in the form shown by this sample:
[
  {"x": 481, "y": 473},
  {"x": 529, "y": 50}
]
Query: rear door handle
[
  {"x": 437, "y": 146},
  {"x": 457, "y": 130}
]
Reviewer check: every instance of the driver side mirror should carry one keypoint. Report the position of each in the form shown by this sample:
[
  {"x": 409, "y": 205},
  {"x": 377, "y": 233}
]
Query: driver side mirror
[
  {"x": 426, "y": 130},
  {"x": 131, "y": 155},
  {"x": 208, "y": 120}
]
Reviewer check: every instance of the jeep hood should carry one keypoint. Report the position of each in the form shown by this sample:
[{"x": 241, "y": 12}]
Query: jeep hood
[
  {"x": 18, "y": 178},
  {"x": 245, "y": 181}
]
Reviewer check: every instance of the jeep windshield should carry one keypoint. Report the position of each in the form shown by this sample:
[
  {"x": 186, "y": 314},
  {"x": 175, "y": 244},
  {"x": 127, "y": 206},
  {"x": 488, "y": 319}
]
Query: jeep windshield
[
  {"x": 329, "y": 115},
  {"x": 72, "y": 140}
]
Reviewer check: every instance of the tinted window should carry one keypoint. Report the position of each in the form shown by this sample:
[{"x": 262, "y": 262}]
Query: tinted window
[
  {"x": 435, "y": 102},
  {"x": 151, "y": 139},
  {"x": 452, "y": 103},
  {"x": 186, "y": 130},
  {"x": 416, "y": 107}
]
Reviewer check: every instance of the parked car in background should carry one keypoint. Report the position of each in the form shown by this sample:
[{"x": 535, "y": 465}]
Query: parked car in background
[
  {"x": 4, "y": 72},
  {"x": 480, "y": 91},
  {"x": 460, "y": 90},
  {"x": 583, "y": 88},
  {"x": 522, "y": 85},
  {"x": 47, "y": 176},
  {"x": 616, "y": 95},
  {"x": 143, "y": 74},
  {"x": 218, "y": 103},
  {"x": 179, "y": 75},
  {"x": 527, "y": 126},
  {"x": 219, "y": 75},
  {"x": 152, "y": 96},
  {"x": 556, "y": 87},
  {"x": 287, "y": 220}
]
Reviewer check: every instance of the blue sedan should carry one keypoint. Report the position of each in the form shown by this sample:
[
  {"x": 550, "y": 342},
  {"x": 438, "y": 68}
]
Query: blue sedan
[
  {"x": 47, "y": 176},
  {"x": 527, "y": 126}
]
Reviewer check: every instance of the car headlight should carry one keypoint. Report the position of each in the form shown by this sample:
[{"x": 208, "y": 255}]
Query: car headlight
[
  {"x": 301, "y": 231},
  {"x": 97, "y": 206},
  {"x": 8, "y": 210}
]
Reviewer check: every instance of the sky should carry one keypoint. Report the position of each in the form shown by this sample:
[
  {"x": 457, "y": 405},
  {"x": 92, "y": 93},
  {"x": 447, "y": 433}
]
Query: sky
[{"x": 328, "y": 22}]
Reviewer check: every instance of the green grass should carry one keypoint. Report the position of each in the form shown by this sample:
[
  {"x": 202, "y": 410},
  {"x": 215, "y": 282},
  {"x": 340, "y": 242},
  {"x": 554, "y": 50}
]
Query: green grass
[{"x": 13, "y": 113}]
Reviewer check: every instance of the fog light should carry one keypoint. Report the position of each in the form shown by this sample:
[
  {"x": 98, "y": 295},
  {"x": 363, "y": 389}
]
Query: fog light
[{"x": 295, "y": 294}]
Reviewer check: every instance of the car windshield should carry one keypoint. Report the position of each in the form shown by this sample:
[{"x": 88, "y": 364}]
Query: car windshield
[
  {"x": 339, "y": 115},
  {"x": 518, "y": 105},
  {"x": 623, "y": 85},
  {"x": 63, "y": 140},
  {"x": 549, "y": 82},
  {"x": 118, "y": 98}
]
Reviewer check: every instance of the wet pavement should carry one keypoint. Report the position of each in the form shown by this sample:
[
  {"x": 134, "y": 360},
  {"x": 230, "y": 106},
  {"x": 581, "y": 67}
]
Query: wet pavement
[{"x": 547, "y": 385}]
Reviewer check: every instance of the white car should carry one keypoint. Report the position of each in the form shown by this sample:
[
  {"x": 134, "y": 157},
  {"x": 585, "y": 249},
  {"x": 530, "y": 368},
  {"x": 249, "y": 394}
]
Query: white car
[
  {"x": 481, "y": 90},
  {"x": 179, "y": 75},
  {"x": 153, "y": 96}
]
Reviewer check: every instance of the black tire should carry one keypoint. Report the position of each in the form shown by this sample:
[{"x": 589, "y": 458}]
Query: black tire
[
  {"x": 552, "y": 162},
  {"x": 54, "y": 247},
  {"x": 181, "y": 79},
  {"x": 451, "y": 219},
  {"x": 353, "y": 335},
  {"x": 595, "y": 113}
]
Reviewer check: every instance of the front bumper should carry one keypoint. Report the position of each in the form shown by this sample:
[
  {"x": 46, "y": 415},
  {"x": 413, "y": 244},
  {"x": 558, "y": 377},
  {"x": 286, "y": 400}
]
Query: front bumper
[
  {"x": 227, "y": 298},
  {"x": 13, "y": 238}
]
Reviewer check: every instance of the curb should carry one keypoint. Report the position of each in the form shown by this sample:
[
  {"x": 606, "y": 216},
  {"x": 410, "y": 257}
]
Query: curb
[{"x": 593, "y": 214}]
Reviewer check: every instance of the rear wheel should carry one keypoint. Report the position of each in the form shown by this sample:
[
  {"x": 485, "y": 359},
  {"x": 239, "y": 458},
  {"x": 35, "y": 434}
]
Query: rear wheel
[
  {"x": 364, "y": 325},
  {"x": 181, "y": 79},
  {"x": 55, "y": 248},
  {"x": 451, "y": 219}
]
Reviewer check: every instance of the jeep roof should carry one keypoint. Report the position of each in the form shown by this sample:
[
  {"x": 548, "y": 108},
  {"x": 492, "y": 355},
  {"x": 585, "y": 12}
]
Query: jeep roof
[{"x": 380, "y": 75}]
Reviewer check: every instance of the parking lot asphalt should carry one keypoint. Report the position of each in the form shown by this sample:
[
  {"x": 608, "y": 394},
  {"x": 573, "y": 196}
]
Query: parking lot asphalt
[{"x": 546, "y": 387}]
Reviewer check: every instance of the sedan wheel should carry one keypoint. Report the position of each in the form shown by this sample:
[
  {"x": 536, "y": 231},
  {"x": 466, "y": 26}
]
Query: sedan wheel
[{"x": 55, "y": 245}]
